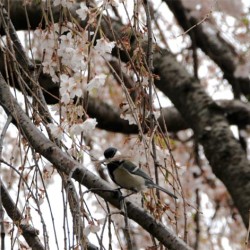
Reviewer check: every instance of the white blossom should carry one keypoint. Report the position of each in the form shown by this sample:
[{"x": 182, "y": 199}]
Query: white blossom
[
  {"x": 66, "y": 40},
  {"x": 70, "y": 87},
  {"x": 104, "y": 46},
  {"x": 49, "y": 67},
  {"x": 129, "y": 117},
  {"x": 65, "y": 98},
  {"x": 79, "y": 110},
  {"x": 76, "y": 129},
  {"x": 48, "y": 41},
  {"x": 89, "y": 125},
  {"x": 83, "y": 11},
  {"x": 91, "y": 228},
  {"x": 126, "y": 114},
  {"x": 41, "y": 200},
  {"x": 66, "y": 83},
  {"x": 75, "y": 90},
  {"x": 96, "y": 82},
  {"x": 86, "y": 127},
  {"x": 78, "y": 59}
]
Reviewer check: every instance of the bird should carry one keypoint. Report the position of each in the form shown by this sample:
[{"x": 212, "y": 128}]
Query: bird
[{"x": 127, "y": 175}]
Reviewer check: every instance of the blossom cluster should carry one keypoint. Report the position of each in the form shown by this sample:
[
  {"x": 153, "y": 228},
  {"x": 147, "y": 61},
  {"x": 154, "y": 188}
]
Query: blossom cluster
[{"x": 68, "y": 54}]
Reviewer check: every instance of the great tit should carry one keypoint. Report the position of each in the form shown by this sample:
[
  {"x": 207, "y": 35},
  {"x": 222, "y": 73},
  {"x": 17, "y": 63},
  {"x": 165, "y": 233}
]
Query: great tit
[{"x": 127, "y": 175}]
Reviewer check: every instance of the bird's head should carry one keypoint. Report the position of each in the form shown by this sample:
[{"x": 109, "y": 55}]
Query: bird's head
[{"x": 110, "y": 152}]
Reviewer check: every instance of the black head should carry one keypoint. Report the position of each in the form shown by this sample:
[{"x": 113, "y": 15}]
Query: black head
[{"x": 110, "y": 152}]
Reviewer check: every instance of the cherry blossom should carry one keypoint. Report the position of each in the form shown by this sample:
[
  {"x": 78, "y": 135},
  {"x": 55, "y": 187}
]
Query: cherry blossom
[
  {"x": 86, "y": 127},
  {"x": 96, "y": 82},
  {"x": 65, "y": 98},
  {"x": 78, "y": 60},
  {"x": 75, "y": 90},
  {"x": 104, "y": 46},
  {"x": 66, "y": 83},
  {"x": 66, "y": 40},
  {"x": 91, "y": 228},
  {"x": 89, "y": 125},
  {"x": 129, "y": 117},
  {"x": 83, "y": 11}
]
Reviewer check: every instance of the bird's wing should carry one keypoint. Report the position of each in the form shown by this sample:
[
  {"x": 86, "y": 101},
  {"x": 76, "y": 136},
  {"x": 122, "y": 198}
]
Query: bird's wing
[{"x": 135, "y": 170}]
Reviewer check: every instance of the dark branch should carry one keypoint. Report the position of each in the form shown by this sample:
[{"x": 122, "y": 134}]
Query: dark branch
[
  {"x": 208, "y": 121},
  {"x": 212, "y": 44}
]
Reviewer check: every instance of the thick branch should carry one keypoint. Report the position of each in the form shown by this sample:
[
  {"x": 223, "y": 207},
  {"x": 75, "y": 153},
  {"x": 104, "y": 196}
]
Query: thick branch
[
  {"x": 212, "y": 44},
  {"x": 70, "y": 167},
  {"x": 211, "y": 128}
]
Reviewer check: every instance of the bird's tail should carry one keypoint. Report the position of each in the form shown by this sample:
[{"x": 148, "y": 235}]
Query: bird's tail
[{"x": 165, "y": 191}]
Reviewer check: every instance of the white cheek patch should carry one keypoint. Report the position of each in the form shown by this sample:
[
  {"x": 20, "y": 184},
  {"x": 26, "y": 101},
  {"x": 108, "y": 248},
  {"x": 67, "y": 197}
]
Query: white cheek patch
[{"x": 129, "y": 181}]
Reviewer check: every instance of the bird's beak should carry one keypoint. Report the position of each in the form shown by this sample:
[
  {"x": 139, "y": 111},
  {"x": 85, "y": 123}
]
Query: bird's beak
[{"x": 118, "y": 153}]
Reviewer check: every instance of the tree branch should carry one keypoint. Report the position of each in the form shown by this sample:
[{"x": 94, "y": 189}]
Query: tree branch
[
  {"x": 212, "y": 44},
  {"x": 207, "y": 119},
  {"x": 72, "y": 168}
]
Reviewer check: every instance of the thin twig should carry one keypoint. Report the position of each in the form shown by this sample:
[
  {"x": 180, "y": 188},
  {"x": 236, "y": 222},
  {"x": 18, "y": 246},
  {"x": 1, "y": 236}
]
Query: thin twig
[
  {"x": 247, "y": 242},
  {"x": 2, "y": 229},
  {"x": 30, "y": 234},
  {"x": 10, "y": 30},
  {"x": 151, "y": 83},
  {"x": 9, "y": 119},
  {"x": 197, "y": 220},
  {"x": 126, "y": 228},
  {"x": 207, "y": 16}
]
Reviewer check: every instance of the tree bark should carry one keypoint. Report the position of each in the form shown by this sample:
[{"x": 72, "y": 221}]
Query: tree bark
[
  {"x": 212, "y": 44},
  {"x": 205, "y": 117},
  {"x": 72, "y": 168}
]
